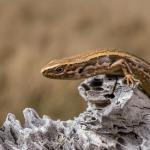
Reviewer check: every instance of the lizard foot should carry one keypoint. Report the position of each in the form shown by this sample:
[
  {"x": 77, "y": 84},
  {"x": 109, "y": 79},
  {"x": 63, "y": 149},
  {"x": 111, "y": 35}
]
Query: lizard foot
[{"x": 131, "y": 80}]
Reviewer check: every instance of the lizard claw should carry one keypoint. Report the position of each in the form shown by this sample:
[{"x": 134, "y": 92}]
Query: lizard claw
[{"x": 131, "y": 80}]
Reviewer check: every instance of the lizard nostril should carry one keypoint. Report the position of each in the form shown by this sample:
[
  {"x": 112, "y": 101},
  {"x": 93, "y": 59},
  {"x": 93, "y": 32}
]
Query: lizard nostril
[{"x": 42, "y": 71}]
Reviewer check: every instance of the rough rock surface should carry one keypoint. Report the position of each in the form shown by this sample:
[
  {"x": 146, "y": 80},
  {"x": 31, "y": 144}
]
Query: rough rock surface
[{"x": 117, "y": 118}]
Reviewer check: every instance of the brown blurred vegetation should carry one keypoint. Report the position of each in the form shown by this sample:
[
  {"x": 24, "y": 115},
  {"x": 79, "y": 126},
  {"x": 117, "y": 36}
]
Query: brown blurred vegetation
[{"x": 34, "y": 31}]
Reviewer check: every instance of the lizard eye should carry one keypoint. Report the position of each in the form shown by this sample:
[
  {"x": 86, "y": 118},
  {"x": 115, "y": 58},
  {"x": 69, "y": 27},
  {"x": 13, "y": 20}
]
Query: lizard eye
[{"x": 59, "y": 69}]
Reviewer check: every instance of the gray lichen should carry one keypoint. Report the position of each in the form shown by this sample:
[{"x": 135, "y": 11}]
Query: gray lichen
[{"x": 117, "y": 118}]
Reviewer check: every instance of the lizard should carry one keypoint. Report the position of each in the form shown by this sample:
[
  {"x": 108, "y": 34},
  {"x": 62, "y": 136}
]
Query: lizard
[{"x": 101, "y": 61}]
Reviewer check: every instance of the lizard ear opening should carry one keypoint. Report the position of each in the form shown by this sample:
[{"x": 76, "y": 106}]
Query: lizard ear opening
[{"x": 80, "y": 70}]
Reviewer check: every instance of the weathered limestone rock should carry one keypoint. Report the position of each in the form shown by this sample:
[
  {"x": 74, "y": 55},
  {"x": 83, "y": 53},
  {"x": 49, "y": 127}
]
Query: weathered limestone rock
[{"x": 117, "y": 118}]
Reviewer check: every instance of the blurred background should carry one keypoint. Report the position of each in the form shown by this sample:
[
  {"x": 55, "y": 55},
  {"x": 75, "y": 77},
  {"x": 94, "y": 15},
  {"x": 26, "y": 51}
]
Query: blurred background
[{"x": 32, "y": 32}]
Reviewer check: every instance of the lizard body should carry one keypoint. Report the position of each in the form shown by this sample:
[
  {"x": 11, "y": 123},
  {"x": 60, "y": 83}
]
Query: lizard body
[{"x": 107, "y": 61}]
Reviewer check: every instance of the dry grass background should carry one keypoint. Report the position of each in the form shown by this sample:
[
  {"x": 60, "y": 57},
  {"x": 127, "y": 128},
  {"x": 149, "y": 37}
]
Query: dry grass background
[{"x": 34, "y": 31}]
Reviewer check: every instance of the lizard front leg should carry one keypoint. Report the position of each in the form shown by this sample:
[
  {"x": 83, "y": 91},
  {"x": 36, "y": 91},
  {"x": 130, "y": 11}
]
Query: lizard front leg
[{"x": 124, "y": 66}]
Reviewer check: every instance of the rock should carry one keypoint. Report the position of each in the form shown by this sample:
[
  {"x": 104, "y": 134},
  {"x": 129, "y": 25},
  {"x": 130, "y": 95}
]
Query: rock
[{"x": 117, "y": 118}]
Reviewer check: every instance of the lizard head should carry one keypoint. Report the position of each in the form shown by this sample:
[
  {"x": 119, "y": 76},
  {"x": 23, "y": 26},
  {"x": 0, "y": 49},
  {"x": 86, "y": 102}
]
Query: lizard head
[
  {"x": 60, "y": 69},
  {"x": 75, "y": 67}
]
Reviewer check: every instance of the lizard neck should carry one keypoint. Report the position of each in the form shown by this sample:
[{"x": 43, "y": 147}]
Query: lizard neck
[{"x": 92, "y": 67}]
